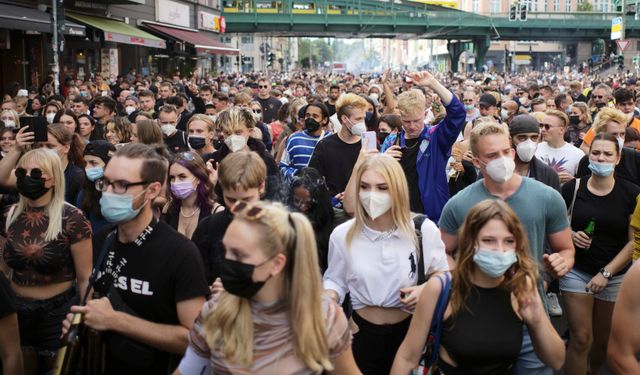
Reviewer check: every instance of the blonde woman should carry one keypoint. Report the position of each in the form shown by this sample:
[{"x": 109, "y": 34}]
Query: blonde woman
[
  {"x": 48, "y": 248},
  {"x": 493, "y": 294},
  {"x": 579, "y": 123},
  {"x": 374, "y": 257},
  {"x": 10, "y": 119},
  {"x": 272, "y": 317}
]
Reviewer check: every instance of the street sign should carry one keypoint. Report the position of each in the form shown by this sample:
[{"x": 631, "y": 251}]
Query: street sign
[
  {"x": 622, "y": 44},
  {"x": 616, "y": 28}
]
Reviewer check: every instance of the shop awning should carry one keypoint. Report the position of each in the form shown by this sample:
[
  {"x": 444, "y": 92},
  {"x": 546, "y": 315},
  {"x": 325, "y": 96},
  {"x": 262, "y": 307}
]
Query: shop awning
[
  {"x": 200, "y": 41},
  {"x": 120, "y": 32},
  {"x": 31, "y": 19}
]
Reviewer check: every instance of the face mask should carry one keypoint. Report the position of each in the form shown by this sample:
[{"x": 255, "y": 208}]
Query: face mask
[
  {"x": 256, "y": 116},
  {"x": 469, "y": 107},
  {"x": 235, "y": 142},
  {"x": 620, "y": 143},
  {"x": 129, "y": 109},
  {"x": 526, "y": 150},
  {"x": 311, "y": 125},
  {"x": 357, "y": 129},
  {"x": 50, "y": 117},
  {"x": 368, "y": 116},
  {"x": 94, "y": 173},
  {"x": 237, "y": 278},
  {"x": 600, "y": 105},
  {"x": 494, "y": 263},
  {"x": 197, "y": 143},
  {"x": 375, "y": 203},
  {"x": 83, "y": 94},
  {"x": 168, "y": 129},
  {"x": 504, "y": 114},
  {"x": 182, "y": 189},
  {"x": 30, "y": 187},
  {"x": 382, "y": 136},
  {"x": 224, "y": 89},
  {"x": 9, "y": 123},
  {"x": 217, "y": 144},
  {"x": 213, "y": 118},
  {"x": 500, "y": 170},
  {"x": 574, "y": 119},
  {"x": 601, "y": 169},
  {"x": 374, "y": 96},
  {"x": 118, "y": 208}
]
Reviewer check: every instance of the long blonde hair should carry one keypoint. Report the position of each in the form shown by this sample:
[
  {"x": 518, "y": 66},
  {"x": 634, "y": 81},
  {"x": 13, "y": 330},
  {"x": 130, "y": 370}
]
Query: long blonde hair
[
  {"x": 49, "y": 162},
  {"x": 229, "y": 326},
  {"x": 393, "y": 175},
  {"x": 477, "y": 218}
]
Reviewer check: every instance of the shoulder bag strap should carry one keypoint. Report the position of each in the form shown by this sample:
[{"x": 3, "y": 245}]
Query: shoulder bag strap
[
  {"x": 417, "y": 222},
  {"x": 573, "y": 200},
  {"x": 101, "y": 257}
]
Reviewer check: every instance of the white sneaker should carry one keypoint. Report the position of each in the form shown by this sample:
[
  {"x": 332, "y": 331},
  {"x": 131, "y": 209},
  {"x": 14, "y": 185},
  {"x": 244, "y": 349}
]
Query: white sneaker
[{"x": 554, "y": 305}]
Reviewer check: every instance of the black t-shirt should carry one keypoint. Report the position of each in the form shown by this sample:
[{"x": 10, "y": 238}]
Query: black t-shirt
[
  {"x": 331, "y": 107},
  {"x": 177, "y": 142},
  {"x": 408, "y": 162},
  {"x": 270, "y": 107},
  {"x": 73, "y": 180},
  {"x": 335, "y": 159},
  {"x": 7, "y": 298},
  {"x": 612, "y": 224},
  {"x": 153, "y": 278},
  {"x": 185, "y": 116},
  {"x": 208, "y": 237}
]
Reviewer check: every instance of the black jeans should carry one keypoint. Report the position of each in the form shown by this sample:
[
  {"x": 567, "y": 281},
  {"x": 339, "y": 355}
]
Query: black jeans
[{"x": 375, "y": 346}]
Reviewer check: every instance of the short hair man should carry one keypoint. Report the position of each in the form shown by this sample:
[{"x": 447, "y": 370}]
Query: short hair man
[
  {"x": 176, "y": 140},
  {"x": 269, "y": 104},
  {"x": 560, "y": 155}
]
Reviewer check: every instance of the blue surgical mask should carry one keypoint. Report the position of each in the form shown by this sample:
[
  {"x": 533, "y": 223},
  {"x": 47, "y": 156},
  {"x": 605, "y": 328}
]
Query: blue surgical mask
[
  {"x": 368, "y": 116},
  {"x": 94, "y": 173},
  {"x": 601, "y": 169},
  {"x": 469, "y": 107},
  {"x": 118, "y": 208},
  {"x": 494, "y": 263}
]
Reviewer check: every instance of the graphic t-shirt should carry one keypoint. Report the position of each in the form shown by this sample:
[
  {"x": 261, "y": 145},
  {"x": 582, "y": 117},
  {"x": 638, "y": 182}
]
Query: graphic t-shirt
[{"x": 562, "y": 159}]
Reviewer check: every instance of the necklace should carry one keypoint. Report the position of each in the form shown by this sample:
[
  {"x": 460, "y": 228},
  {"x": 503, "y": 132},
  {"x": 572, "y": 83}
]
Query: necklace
[
  {"x": 411, "y": 147},
  {"x": 382, "y": 236},
  {"x": 195, "y": 211}
]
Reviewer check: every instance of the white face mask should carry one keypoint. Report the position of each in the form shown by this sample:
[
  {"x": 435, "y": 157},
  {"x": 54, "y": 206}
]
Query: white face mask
[
  {"x": 129, "y": 109},
  {"x": 50, "y": 117},
  {"x": 375, "y": 203},
  {"x": 526, "y": 150},
  {"x": 168, "y": 129},
  {"x": 358, "y": 128},
  {"x": 620, "y": 142},
  {"x": 9, "y": 123},
  {"x": 374, "y": 96},
  {"x": 504, "y": 114},
  {"x": 235, "y": 142},
  {"x": 213, "y": 118},
  {"x": 500, "y": 170}
]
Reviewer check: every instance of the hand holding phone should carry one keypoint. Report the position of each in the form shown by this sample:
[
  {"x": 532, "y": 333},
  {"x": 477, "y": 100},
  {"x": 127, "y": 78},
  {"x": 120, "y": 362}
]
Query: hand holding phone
[{"x": 37, "y": 125}]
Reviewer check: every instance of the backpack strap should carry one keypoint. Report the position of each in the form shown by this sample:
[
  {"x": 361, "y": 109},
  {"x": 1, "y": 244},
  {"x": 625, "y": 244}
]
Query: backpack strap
[
  {"x": 417, "y": 222},
  {"x": 435, "y": 331}
]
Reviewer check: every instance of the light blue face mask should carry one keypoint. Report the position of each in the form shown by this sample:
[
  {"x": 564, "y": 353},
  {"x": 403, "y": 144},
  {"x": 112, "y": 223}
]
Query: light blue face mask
[
  {"x": 118, "y": 208},
  {"x": 94, "y": 173},
  {"x": 601, "y": 169},
  {"x": 469, "y": 107},
  {"x": 494, "y": 263}
]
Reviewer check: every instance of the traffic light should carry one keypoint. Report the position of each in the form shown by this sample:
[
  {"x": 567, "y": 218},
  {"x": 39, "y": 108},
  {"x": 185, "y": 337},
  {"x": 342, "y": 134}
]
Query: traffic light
[
  {"x": 523, "y": 12},
  {"x": 271, "y": 58},
  {"x": 513, "y": 12}
]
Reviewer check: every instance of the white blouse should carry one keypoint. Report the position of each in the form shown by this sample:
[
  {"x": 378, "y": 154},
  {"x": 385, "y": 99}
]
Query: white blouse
[{"x": 377, "y": 265}]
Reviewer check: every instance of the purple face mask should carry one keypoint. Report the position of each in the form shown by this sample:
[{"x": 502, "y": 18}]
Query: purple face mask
[{"x": 182, "y": 189}]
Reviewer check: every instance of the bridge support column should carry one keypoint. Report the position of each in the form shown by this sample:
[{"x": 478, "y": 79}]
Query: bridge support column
[
  {"x": 455, "y": 50},
  {"x": 480, "y": 47}
]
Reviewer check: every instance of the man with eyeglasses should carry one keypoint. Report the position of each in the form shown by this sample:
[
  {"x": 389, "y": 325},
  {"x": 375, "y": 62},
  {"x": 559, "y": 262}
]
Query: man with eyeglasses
[
  {"x": 270, "y": 105},
  {"x": 150, "y": 279},
  {"x": 561, "y": 156},
  {"x": 600, "y": 97}
]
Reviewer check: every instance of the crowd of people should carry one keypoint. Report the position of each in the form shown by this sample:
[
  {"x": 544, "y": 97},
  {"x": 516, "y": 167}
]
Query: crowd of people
[{"x": 311, "y": 223}]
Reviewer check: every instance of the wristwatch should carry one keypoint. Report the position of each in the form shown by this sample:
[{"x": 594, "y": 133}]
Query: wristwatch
[{"x": 607, "y": 275}]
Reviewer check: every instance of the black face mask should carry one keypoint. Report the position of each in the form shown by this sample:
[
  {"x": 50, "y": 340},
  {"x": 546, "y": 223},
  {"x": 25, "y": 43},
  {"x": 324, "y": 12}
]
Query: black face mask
[
  {"x": 574, "y": 120},
  {"x": 197, "y": 143},
  {"x": 217, "y": 144},
  {"x": 237, "y": 278},
  {"x": 600, "y": 105},
  {"x": 311, "y": 125},
  {"x": 31, "y": 187},
  {"x": 382, "y": 136}
]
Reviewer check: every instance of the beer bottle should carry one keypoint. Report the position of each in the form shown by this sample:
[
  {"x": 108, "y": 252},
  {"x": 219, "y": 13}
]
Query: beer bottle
[
  {"x": 591, "y": 228},
  {"x": 94, "y": 350},
  {"x": 68, "y": 355}
]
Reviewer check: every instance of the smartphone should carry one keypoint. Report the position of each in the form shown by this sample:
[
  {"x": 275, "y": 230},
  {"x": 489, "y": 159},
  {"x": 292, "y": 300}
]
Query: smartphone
[
  {"x": 372, "y": 140},
  {"x": 37, "y": 125}
]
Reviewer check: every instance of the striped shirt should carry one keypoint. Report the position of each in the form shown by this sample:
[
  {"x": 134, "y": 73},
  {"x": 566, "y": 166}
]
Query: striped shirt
[{"x": 297, "y": 153}]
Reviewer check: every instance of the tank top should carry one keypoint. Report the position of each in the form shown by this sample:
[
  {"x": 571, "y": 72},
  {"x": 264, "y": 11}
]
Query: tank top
[{"x": 485, "y": 338}]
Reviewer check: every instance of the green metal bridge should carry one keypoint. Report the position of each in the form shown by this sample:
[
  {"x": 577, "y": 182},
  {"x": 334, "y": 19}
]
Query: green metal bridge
[{"x": 369, "y": 18}]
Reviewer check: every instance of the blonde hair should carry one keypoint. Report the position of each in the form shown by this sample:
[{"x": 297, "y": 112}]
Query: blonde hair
[
  {"x": 607, "y": 115},
  {"x": 391, "y": 171},
  {"x": 538, "y": 116},
  {"x": 14, "y": 114},
  {"x": 347, "y": 103},
  {"x": 232, "y": 118},
  {"x": 229, "y": 326},
  {"x": 49, "y": 163},
  {"x": 484, "y": 129},
  {"x": 584, "y": 108},
  {"x": 204, "y": 118},
  {"x": 243, "y": 169},
  {"x": 560, "y": 115},
  {"x": 411, "y": 102}
]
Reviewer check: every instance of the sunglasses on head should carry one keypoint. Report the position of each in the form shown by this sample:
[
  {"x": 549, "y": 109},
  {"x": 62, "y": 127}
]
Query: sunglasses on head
[{"x": 35, "y": 172}]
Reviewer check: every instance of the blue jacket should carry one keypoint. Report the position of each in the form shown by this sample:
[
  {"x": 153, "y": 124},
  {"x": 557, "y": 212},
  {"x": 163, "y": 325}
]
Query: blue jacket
[{"x": 433, "y": 154}]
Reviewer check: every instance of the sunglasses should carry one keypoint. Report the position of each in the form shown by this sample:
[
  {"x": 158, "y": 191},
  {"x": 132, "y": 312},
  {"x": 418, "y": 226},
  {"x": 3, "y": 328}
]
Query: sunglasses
[
  {"x": 548, "y": 126},
  {"x": 263, "y": 87},
  {"x": 184, "y": 156},
  {"x": 252, "y": 212},
  {"x": 598, "y": 96},
  {"x": 257, "y": 110},
  {"x": 35, "y": 173}
]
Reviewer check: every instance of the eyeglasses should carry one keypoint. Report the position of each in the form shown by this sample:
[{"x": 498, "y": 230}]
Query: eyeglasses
[
  {"x": 263, "y": 87},
  {"x": 119, "y": 187},
  {"x": 520, "y": 93},
  {"x": 467, "y": 100},
  {"x": 548, "y": 126},
  {"x": 253, "y": 212},
  {"x": 35, "y": 173},
  {"x": 598, "y": 96}
]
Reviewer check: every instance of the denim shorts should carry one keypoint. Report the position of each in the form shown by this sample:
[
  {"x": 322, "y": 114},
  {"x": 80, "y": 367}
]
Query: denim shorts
[
  {"x": 40, "y": 321},
  {"x": 576, "y": 281}
]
